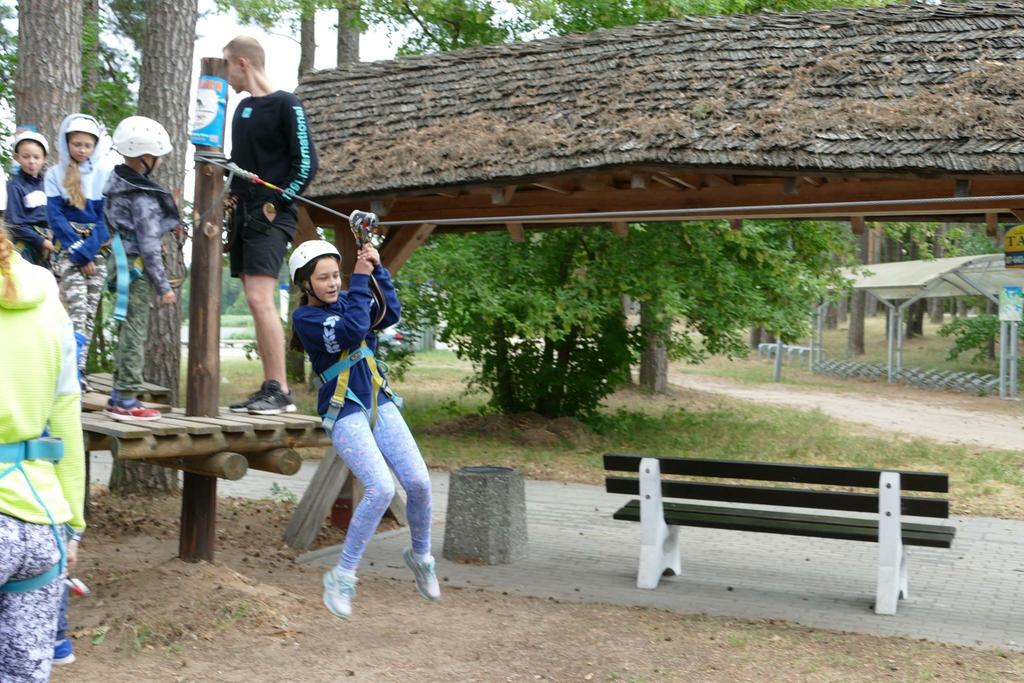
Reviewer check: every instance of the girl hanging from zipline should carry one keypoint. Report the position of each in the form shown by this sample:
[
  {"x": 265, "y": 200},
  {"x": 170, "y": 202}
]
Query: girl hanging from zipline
[{"x": 338, "y": 330}]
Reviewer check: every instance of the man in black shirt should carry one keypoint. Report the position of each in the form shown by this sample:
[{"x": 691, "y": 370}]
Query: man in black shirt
[{"x": 270, "y": 137}]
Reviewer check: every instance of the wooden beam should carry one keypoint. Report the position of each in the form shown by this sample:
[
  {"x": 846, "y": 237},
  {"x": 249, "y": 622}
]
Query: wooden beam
[
  {"x": 857, "y": 224},
  {"x": 552, "y": 187},
  {"x": 662, "y": 180},
  {"x": 595, "y": 183},
  {"x": 515, "y": 230},
  {"x": 401, "y": 244},
  {"x": 230, "y": 466},
  {"x": 284, "y": 461},
  {"x": 501, "y": 196},
  {"x": 1018, "y": 214},
  {"x": 620, "y": 228},
  {"x": 449, "y": 194},
  {"x": 874, "y": 193},
  {"x": 382, "y": 207},
  {"x": 817, "y": 182},
  {"x": 675, "y": 181},
  {"x": 719, "y": 179}
]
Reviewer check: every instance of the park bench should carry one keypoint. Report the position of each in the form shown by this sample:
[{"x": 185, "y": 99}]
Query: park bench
[{"x": 768, "y": 509}]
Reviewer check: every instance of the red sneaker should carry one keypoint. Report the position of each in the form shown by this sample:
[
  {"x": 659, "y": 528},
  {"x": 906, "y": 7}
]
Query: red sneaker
[{"x": 133, "y": 411}]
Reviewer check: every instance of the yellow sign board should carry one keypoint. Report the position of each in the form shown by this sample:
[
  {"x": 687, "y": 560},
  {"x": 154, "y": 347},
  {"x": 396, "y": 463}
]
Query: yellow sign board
[{"x": 1013, "y": 247}]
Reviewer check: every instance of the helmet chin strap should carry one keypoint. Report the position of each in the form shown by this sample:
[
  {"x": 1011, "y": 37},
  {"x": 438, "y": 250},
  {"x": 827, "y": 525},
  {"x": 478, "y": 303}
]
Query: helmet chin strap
[
  {"x": 149, "y": 168},
  {"x": 309, "y": 292}
]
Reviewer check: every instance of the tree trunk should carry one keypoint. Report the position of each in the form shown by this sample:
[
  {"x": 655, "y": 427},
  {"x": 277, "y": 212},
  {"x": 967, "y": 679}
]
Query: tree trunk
[
  {"x": 165, "y": 81},
  {"x": 307, "y": 39},
  {"x": 348, "y": 35},
  {"x": 49, "y": 78},
  {"x": 654, "y": 359},
  {"x": 858, "y": 300}
]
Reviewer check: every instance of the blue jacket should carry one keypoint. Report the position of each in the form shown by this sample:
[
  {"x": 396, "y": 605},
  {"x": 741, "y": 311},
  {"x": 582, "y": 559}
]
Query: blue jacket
[
  {"x": 26, "y": 207},
  {"x": 326, "y": 332},
  {"x": 79, "y": 248}
]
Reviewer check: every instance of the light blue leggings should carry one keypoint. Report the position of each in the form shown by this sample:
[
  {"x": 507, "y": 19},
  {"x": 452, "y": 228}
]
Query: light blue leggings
[{"x": 368, "y": 454}]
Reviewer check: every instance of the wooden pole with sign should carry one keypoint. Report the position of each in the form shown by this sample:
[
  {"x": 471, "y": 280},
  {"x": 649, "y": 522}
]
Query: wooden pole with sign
[{"x": 199, "y": 491}]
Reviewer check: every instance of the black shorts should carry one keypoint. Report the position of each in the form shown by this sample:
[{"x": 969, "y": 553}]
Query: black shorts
[{"x": 258, "y": 245}]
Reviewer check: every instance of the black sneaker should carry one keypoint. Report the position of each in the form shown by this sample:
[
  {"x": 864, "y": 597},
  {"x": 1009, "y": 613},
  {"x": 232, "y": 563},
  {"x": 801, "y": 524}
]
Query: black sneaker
[
  {"x": 273, "y": 401},
  {"x": 243, "y": 405}
]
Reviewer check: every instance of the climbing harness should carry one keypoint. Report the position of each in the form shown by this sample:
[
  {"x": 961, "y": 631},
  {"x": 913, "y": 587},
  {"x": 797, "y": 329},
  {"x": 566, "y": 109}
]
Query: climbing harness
[
  {"x": 14, "y": 454},
  {"x": 340, "y": 370},
  {"x": 125, "y": 274}
]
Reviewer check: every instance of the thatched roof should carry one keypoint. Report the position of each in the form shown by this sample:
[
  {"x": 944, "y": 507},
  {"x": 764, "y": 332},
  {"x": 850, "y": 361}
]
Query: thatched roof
[{"x": 907, "y": 88}]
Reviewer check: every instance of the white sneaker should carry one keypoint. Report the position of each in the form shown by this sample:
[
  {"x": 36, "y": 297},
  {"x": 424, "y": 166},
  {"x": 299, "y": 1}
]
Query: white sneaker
[
  {"x": 338, "y": 593},
  {"x": 426, "y": 577}
]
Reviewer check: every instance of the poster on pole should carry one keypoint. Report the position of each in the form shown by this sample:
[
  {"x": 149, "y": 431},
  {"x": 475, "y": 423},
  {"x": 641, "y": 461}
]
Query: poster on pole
[
  {"x": 1011, "y": 304},
  {"x": 1013, "y": 247},
  {"x": 211, "y": 106}
]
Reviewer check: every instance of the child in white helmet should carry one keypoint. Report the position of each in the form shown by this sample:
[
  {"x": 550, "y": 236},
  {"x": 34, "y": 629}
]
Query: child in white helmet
[
  {"x": 338, "y": 330},
  {"x": 74, "y": 197},
  {"x": 139, "y": 213},
  {"x": 26, "y": 199}
]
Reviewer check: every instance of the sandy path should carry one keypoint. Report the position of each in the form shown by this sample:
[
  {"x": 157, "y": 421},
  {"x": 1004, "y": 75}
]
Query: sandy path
[{"x": 926, "y": 417}]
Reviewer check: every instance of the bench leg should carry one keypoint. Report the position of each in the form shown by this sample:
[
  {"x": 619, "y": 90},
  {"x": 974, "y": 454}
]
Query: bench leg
[
  {"x": 892, "y": 556},
  {"x": 659, "y": 542}
]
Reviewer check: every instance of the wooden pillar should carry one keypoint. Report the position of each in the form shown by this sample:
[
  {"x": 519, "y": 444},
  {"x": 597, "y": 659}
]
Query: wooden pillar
[{"x": 199, "y": 492}]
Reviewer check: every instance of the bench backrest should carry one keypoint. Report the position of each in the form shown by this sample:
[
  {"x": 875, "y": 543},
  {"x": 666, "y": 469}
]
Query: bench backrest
[{"x": 857, "y": 477}]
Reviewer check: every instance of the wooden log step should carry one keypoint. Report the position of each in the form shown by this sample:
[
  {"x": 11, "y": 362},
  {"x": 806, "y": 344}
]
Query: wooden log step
[
  {"x": 259, "y": 423},
  {"x": 100, "y": 424},
  {"x": 225, "y": 465},
  {"x": 278, "y": 460}
]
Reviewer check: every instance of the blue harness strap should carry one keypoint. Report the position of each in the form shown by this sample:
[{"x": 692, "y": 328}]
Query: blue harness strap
[
  {"x": 340, "y": 370},
  {"x": 14, "y": 454},
  {"x": 125, "y": 275}
]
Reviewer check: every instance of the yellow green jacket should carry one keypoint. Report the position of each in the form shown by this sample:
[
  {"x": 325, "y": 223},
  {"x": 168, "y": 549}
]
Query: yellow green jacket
[{"x": 39, "y": 377}]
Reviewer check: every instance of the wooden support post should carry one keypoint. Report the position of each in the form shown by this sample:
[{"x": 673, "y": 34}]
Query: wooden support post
[
  {"x": 992, "y": 223},
  {"x": 199, "y": 492},
  {"x": 401, "y": 244},
  {"x": 621, "y": 229},
  {"x": 224, "y": 465},
  {"x": 381, "y": 207},
  {"x": 515, "y": 231},
  {"x": 857, "y": 225},
  {"x": 278, "y": 460},
  {"x": 317, "y": 501}
]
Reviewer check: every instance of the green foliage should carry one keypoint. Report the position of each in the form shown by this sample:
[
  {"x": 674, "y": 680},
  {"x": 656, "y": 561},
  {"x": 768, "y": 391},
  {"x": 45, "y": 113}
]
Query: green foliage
[
  {"x": 542, "y": 320},
  {"x": 109, "y": 71},
  {"x": 971, "y": 334}
]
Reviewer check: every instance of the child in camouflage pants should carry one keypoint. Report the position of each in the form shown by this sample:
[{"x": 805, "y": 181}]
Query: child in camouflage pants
[
  {"x": 74, "y": 205},
  {"x": 139, "y": 212}
]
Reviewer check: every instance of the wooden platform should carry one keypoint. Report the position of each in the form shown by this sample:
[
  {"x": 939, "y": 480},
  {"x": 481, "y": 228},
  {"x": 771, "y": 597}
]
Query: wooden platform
[
  {"x": 103, "y": 383},
  {"x": 176, "y": 435}
]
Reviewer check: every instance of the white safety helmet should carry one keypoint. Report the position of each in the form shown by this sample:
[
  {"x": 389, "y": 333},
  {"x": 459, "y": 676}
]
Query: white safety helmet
[
  {"x": 308, "y": 251},
  {"x": 35, "y": 137},
  {"x": 138, "y": 135},
  {"x": 82, "y": 124}
]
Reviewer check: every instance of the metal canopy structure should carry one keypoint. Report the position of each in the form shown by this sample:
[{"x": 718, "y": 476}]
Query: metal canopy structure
[{"x": 898, "y": 285}]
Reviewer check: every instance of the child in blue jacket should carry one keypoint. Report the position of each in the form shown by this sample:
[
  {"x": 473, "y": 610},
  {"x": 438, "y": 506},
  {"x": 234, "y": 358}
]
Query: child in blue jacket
[
  {"x": 26, "y": 200},
  {"x": 74, "y": 199},
  {"x": 336, "y": 330}
]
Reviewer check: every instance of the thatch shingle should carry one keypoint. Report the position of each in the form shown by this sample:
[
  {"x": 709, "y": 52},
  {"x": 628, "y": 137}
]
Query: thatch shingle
[{"x": 908, "y": 88}]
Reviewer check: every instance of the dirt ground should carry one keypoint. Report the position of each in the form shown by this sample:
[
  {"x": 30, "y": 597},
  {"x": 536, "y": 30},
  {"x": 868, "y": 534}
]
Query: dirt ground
[{"x": 257, "y": 616}]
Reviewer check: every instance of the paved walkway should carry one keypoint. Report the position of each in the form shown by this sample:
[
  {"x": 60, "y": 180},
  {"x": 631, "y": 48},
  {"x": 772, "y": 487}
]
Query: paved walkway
[{"x": 970, "y": 595}]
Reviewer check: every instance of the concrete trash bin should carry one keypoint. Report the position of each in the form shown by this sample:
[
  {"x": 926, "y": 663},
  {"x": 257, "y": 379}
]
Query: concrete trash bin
[{"x": 486, "y": 519}]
